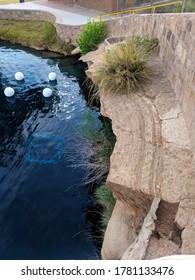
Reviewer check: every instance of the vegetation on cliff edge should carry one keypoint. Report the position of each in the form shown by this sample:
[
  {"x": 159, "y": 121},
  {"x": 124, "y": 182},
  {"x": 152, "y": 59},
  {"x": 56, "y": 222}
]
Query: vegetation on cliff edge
[
  {"x": 99, "y": 137},
  {"x": 36, "y": 34},
  {"x": 104, "y": 197},
  {"x": 92, "y": 35},
  {"x": 102, "y": 140},
  {"x": 125, "y": 67}
]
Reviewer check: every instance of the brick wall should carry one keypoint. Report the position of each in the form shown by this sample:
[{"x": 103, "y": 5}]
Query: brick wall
[{"x": 105, "y": 6}]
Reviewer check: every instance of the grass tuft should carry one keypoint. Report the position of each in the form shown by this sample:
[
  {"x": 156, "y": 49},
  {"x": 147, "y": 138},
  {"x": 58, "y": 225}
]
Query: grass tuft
[
  {"x": 104, "y": 197},
  {"x": 125, "y": 68}
]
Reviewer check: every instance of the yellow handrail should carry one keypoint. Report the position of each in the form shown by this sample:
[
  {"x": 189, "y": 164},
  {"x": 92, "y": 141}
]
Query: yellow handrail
[{"x": 133, "y": 11}]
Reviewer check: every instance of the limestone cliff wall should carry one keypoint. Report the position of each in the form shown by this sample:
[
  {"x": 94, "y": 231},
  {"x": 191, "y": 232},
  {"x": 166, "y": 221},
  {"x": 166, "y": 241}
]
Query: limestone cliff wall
[
  {"x": 152, "y": 158},
  {"x": 152, "y": 166}
]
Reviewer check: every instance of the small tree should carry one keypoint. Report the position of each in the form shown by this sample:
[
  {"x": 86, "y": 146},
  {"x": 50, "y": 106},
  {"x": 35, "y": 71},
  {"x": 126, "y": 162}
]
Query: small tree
[{"x": 92, "y": 35}]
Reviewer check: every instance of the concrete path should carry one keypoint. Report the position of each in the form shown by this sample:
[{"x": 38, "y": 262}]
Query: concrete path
[{"x": 64, "y": 14}]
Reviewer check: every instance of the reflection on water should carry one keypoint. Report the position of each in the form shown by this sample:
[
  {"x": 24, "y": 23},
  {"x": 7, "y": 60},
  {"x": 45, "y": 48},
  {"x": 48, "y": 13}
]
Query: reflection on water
[{"x": 43, "y": 205}]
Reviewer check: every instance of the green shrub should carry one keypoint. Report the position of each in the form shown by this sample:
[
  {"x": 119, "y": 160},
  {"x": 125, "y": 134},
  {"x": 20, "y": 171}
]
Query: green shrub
[
  {"x": 92, "y": 35},
  {"x": 125, "y": 68}
]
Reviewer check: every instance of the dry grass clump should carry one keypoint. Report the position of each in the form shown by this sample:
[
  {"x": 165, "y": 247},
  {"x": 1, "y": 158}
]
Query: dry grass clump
[{"x": 125, "y": 68}]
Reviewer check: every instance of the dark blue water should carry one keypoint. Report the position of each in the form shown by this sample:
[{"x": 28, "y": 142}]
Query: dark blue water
[{"x": 43, "y": 203}]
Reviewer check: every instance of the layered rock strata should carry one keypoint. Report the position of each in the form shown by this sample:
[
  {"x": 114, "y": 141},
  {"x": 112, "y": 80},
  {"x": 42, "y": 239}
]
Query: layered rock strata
[{"x": 151, "y": 172}]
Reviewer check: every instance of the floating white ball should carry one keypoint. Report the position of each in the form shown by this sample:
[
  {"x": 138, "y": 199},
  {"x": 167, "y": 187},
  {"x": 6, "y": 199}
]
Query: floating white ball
[
  {"x": 47, "y": 92},
  {"x": 52, "y": 76},
  {"x": 9, "y": 92},
  {"x": 19, "y": 76}
]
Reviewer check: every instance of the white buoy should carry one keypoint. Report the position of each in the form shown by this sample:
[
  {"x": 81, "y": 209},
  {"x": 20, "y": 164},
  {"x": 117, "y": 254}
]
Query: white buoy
[
  {"x": 47, "y": 92},
  {"x": 19, "y": 76},
  {"x": 9, "y": 92},
  {"x": 52, "y": 76}
]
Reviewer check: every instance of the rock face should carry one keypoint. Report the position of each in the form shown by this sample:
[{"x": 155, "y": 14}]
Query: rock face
[
  {"x": 176, "y": 34},
  {"x": 151, "y": 162},
  {"x": 137, "y": 250},
  {"x": 76, "y": 51}
]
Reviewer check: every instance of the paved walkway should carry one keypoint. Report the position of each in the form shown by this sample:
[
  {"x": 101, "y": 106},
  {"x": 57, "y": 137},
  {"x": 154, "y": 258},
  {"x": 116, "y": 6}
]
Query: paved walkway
[{"x": 64, "y": 14}]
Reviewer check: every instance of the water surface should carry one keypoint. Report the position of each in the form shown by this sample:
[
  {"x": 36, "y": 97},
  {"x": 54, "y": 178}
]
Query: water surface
[{"x": 43, "y": 203}]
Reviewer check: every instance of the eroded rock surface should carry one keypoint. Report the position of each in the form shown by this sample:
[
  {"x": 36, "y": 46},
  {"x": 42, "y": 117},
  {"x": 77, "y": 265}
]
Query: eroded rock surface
[{"x": 152, "y": 158}]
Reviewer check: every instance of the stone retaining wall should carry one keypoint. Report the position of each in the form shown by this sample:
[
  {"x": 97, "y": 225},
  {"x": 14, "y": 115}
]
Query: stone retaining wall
[
  {"x": 26, "y": 15},
  {"x": 68, "y": 33}
]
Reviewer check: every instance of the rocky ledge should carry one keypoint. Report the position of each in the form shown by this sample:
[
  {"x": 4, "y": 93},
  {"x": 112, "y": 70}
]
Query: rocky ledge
[{"x": 151, "y": 172}]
